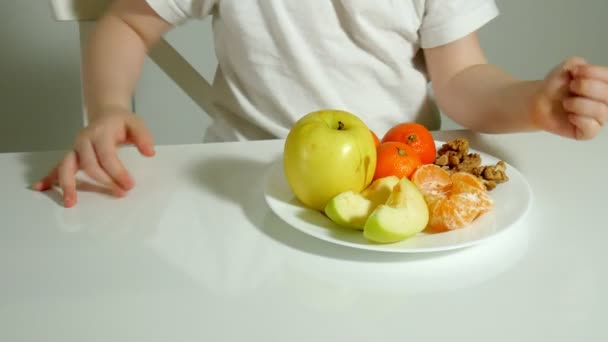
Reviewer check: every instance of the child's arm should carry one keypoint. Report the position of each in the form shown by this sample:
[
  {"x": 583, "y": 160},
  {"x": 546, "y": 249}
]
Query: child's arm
[
  {"x": 115, "y": 54},
  {"x": 482, "y": 97},
  {"x": 112, "y": 65}
]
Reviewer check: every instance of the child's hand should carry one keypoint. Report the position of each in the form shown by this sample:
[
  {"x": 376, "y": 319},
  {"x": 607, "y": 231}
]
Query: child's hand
[
  {"x": 95, "y": 152},
  {"x": 573, "y": 100}
]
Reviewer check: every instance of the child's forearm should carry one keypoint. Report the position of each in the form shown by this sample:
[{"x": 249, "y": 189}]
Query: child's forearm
[
  {"x": 111, "y": 65},
  {"x": 115, "y": 54},
  {"x": 486, "y": 99}
]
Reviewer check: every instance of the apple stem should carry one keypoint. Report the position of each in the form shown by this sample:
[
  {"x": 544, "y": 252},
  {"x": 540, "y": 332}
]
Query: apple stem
[{"x": 340, "y": 125}]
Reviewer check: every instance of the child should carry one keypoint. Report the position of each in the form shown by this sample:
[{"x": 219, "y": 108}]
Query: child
[{"x": 280, "y": 59}]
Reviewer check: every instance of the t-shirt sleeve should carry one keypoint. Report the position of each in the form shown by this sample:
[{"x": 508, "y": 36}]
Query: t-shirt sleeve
[
  {"x": 446, "y": 21},
  {"x": 176, "y": 12}
]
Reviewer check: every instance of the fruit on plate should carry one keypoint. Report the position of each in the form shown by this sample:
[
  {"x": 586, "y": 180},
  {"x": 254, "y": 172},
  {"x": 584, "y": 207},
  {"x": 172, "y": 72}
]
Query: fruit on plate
[
  {"x": 396, "y": 159},
  {"x": 376, "y": 139},
  {"x": 351, "y": 209},
  {"x": 380, "y": 189},
  {"x": 454, "y": 200},
  {"x": 326, "y": 153},
  {"x": 432, "y": 180},
  {"x": 415, "y": 135},
  {"x": 404, "y": 214}
]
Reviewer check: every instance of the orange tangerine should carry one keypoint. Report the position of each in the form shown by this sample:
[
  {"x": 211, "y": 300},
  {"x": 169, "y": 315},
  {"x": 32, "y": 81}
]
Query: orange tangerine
[
  {"x": 415, "y": 135},
  {"x": 454, "y": 201},
  {"x": 395, "y": 159},
  {"x": 454, "y": 211},
  {"x": 376, "y": 139},
  {"x": 463, "y": 182},
  {"x": 467, "y": 179},
  {"x": 432, "y": 179}
]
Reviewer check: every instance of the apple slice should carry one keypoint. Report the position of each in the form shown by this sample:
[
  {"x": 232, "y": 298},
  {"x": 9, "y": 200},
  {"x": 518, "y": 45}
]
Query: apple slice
[
  {"x": 380, "y": 190},
  {"x": 351, "y": 209},
  {"x": 404, "y": 214}
]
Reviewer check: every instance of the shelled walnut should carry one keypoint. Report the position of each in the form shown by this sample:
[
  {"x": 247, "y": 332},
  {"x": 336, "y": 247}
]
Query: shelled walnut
[{"x": 454, "y": 156}]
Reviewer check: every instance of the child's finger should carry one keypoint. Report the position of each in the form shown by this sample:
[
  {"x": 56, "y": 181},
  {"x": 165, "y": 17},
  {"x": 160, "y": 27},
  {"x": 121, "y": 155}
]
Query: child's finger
[
  {"x": 557, "y": 80},
  {"x": 108, "y": 159},
  {"x": 141, "y": 137},
  {"x": 587, "y": 108},
  {"x": 585, "y": 127},
  {"x": 590, "y": 88},
  {"x": 67, "y": 179},
  {"x": 48, "y": 181},
  {"x": 87, "y": 161},
  {"x": 591, "y": 71}
]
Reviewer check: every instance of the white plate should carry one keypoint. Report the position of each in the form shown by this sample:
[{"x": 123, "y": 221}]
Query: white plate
[{"x": 511, "y": 202}]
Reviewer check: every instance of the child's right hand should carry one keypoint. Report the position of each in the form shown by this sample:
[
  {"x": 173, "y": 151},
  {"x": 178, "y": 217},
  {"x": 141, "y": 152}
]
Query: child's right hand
[{"x": 95, "y": 153}]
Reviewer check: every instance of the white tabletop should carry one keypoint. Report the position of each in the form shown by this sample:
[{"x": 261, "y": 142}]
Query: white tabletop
[{"x": 195, "y": 254}]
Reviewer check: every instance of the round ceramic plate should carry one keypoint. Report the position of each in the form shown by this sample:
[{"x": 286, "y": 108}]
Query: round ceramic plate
[{"x": 511, "y": 202}]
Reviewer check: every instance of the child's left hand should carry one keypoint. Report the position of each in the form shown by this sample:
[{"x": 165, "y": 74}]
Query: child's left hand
[{"x": 573, "y": 100}]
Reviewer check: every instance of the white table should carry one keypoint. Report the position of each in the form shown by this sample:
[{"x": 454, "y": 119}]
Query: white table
[{"x": 195, "y": 254}]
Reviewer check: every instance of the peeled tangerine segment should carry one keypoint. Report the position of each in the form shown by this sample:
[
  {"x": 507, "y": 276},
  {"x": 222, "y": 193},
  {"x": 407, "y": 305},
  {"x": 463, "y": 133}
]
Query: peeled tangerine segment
[
  {"x": 351, "y": 209},
  {"x": 405, "y": 214},
  {"x": 466, "y": 201},
  {"x": 454, "y": 211},
  {"x": 466, "y": 183},
  {"x": 432, "y": 179}
]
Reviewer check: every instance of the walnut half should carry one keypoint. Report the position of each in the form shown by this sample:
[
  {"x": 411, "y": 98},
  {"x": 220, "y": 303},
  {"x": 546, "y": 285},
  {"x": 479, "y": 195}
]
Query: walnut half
[
  {"x": 453, "y": 156},
  {"x": 492, "y": 174}
]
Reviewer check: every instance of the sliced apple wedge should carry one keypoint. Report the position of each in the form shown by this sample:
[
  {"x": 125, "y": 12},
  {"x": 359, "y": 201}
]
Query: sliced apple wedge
[
  {"x": 351, "y": 209},
  {"x": 404, "y": 214},
  {"x": 380, "y": 189}
]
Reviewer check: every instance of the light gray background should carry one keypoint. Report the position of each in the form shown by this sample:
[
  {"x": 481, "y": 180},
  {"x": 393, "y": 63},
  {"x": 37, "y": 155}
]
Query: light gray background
[{"x": 39, "y": 67}]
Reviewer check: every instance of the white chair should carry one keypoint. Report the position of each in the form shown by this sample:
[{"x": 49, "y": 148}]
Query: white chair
[{"x": 85, "y": 12}]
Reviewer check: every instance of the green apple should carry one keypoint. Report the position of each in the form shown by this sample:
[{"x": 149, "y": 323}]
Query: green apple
[
  {"x": 326, "y": 153},
  {"x": 351, "y": 209},
  {"x": 404, "y": 214}
]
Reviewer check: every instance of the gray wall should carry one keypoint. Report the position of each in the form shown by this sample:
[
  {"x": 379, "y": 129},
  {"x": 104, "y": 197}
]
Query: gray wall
[
  {"x": 532, "y": 36},
  {"x": 39, "y": 67},
  {"x": 39, "y": 78}
]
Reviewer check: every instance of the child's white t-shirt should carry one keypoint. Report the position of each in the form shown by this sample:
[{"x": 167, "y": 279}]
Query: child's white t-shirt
[{"x": 281, "y": 59}]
